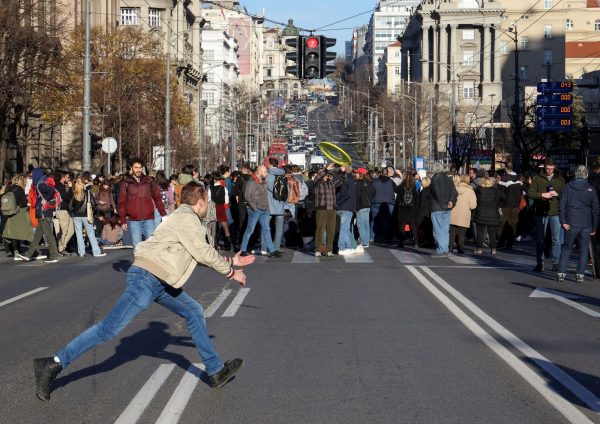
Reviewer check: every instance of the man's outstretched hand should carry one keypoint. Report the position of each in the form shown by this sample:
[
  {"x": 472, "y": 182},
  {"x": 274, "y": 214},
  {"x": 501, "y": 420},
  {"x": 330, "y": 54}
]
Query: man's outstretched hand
[
  {"x": 239, "y": 260},
  {"x": 239, "y": 276}
]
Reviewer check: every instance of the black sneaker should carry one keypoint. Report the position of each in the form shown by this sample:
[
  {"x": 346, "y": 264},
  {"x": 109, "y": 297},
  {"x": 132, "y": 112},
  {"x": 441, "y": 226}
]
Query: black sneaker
[
  {"x": 539, "y": 268},
  {"x": 226, "y": 374},
  {"x": 244, "y": 253},
  {"x": 45, "y": 371},
  {"x": 275, "y": 254}
]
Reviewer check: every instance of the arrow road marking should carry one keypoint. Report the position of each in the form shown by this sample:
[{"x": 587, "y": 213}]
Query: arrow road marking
[
  {"x": 140, "y": 402},
  {"x": 564, "y": 298},
  {"x": 21, "y": 296},
  {"x": 236, "y": 303}
]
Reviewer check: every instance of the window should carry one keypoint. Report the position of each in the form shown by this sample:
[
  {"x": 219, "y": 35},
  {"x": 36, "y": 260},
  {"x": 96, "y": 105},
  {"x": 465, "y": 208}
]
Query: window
[
  {"x": 468, "y": 4},
  {"x": 524, "y": 73},
  {"x": 129, "y": 16},
  {"x": 270, "y": 43},
  {"x": 597, "y": 25},
  {"x": 524, "y": 42},
  {"x": 154, "y": 17},
  {"x": 396, "y": 70},
  {"x": 270, "y": 60},
  {"x": 569, "y": 25},
  {"x": 468, "y": 34},
  {"x": 547, "y": 57},
  {"x": 504, "y": 48},
  {"x": 547, "y": 32},
  {"x": 210, "y": 76},
  {"x": 547, "y": 4},
  {"x": 268, "y": 73},
  {"x": 469, "y": 89},
  {"x": 208, "y": 97},
  {"x": 209, "y": 55},
  {"x": 468, "y": 57}
]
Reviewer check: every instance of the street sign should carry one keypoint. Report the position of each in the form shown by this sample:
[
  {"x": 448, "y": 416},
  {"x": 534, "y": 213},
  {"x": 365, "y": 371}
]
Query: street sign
[
  {"x": 565, "y": 124},
  {"x": 554, "y": 112},
  {"x": 109, "y": 145},
  {"x": 555, "y": 87},
  {"x": 554, "y": 99}
]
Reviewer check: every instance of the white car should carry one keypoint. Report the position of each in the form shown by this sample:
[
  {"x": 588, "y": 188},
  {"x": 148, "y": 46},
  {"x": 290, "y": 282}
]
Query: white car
[
  {"x": 309, "y": 145},
  {"x": 311, "y": 136}
]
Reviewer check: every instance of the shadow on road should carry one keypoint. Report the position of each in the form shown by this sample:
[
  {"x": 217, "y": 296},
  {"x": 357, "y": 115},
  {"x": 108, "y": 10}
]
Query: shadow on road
[
  {"x": 151, "y": 341},
  {"x": 122, "y": 265}
]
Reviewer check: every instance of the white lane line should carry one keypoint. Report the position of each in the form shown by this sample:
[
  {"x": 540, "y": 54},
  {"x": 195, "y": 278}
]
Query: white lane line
[
  {"x": 463, "y": 260},
  {"x": 564, "y": 407},
  {"x": 564, "y": 298},
  {"x": 407, "y": 257},
  {"x": 359, "y": 258},
  {"x": 304, "y": 258},
  {"x": 181, "y": 396},
  {"x": 140, "y": 402},
  {"x": 217, "y": 303},
  {"x": 21, "y": 296},
  {"x": 236, "y": 303}
]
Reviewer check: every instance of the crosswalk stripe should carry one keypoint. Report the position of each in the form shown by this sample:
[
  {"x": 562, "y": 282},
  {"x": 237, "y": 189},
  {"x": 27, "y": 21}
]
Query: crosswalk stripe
[
  {"x": 304, "y": 258},
  {"x": 359, "y": 258},
  {"x": 236, "y": 303},
  {"x": 217, "y": 303},
  {"x": 181, "y": 396},
  {"x": 142, "y": 399},
  {"x": 21, "y": 296},
  {"x": 463, "y": 260},
  {"x": 407, "y": 257}
]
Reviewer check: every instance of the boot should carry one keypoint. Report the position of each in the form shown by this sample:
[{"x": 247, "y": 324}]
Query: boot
[
  {"x": 45, "y": 371},
  {"x": 228, "y": 243}
]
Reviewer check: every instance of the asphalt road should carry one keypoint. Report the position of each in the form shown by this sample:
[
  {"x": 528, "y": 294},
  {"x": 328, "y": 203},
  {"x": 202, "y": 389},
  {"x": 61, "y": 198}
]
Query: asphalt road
[
  {"x": 324, "y": 121},
  {"x": 391, "y": 336}
]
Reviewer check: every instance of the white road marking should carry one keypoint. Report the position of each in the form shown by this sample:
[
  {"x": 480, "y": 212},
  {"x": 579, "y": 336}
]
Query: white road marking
[
  {"x": 236, "y": 303},
  {"x": 304, "y": 258},
  {"x": 21, "y": 296},
  {"x": 140, "y": 402},
  {"x": 209, "y": 312},
  {"x": 407, "y": 257},
  {"x": 181, "y": 396},
  {"x": 567, "y": 409},
  {"x": 564, "y": 298},
  {"x": 463, "y": 260},
  {"x": 359, "y": 258}
]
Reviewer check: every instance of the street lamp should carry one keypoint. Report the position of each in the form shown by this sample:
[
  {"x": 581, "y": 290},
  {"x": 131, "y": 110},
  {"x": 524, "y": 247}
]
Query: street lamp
[{"x": 492, "y": 122}]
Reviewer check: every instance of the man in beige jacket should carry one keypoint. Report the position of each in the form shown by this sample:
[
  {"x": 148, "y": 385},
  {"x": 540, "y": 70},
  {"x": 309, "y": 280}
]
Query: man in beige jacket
[{"x": 162, "y": 264}]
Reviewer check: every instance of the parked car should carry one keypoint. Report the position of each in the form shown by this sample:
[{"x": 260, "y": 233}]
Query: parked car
[{"x": 311, "y": 136}]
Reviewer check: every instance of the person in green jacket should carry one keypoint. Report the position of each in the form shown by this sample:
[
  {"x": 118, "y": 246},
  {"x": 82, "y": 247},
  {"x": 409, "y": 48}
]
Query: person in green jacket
[
  {"x": 162, "y": 265},
  {"x": 545, "y": 191}
]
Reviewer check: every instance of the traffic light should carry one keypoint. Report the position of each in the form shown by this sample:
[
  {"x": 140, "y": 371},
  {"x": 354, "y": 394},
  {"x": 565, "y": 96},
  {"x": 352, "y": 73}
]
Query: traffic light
[
  {"x": 312, "y": 57},
  {"x": 294, "y": 56},
  {"x": 327, "y": 56}
]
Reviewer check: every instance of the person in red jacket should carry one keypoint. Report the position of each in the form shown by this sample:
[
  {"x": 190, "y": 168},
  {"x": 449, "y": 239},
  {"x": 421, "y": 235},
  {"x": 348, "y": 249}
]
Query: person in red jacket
[{"x": 138, "y": 196}]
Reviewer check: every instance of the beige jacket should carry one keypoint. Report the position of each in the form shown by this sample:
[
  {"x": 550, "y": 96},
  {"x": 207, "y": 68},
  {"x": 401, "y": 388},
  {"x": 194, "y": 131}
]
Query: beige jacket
[
  {"x": 177, "y": 245},
  {"x": 466, "y": 202}
]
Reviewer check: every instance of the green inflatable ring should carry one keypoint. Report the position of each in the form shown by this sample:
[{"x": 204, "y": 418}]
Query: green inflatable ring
[{"x": 335, "y": 154}]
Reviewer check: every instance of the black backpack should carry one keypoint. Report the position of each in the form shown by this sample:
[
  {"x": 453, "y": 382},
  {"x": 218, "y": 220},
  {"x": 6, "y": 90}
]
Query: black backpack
[
  {"x": 407, "y": 200},
  {"x": 280, "y": 188}
]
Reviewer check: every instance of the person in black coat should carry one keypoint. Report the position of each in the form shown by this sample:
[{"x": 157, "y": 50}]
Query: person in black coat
[
  {"x": 424, "y": 214},
  {"x": 407, "y": 200},
  {"x": 487, "y": 213}
]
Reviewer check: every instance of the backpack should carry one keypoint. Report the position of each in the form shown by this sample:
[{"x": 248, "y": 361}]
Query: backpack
[
  {"x": 280, "y": 188},
  {"x": 52, "y": 204},
  {"x": 9, "y": 204},
  {"x": 407, "y": 200},
  {"x": 293, "y": 191},
  {"x": 303, "y": 189}
]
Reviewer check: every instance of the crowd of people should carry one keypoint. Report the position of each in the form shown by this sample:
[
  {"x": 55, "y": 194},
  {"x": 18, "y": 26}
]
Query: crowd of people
[{"x": 335, "y": 210}]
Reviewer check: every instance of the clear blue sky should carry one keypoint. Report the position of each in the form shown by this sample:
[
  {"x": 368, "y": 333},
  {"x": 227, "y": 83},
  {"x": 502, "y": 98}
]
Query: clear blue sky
[{"x": 313, "y": 14}]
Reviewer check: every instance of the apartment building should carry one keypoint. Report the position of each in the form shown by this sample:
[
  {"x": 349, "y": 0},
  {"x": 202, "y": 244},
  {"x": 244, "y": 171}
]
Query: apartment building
[
  {"x": 359, "y": 56},
  {"x": 392, "y": 72},
  {"x": 582, "y": 37}
]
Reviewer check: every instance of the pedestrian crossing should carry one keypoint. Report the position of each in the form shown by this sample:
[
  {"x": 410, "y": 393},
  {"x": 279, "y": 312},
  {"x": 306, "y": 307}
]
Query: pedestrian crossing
[{"x": 233, "y": 307}]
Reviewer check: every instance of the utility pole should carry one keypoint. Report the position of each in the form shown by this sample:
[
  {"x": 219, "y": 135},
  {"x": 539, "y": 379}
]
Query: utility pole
[
  {"x": 416, "y": 131},
  {"x": 234, "y": 142},
  {"x": 403, "y": 144},
  {"x": 167, "y": 155},
  {"x": 430, "y": 132},
  {"x": 517, "y": 105},
  {"x": 200, "y": 107},
  {"x": 87, "y": 142},
  {"x": 492, "y": 123}
]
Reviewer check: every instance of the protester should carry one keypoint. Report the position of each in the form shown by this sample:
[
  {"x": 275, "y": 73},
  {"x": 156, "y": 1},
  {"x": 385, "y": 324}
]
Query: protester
[
  {"x": 509, "y": 217},
  {"x": 82, "y": 204},
  {"x": 460, "y": 217},
  {"x": 325, "y": 201},
  {"x": 218, "y": 193},
  {"x": 64, "y": 227},
  {"x": 407, "y": 203},
  {"x": 382, "y": 207},
  {"x": 487, "y": 213},
  {"x": 276, "y": 205},
  {"x": 443, "y": 197},
  {"x": 345, "y": 205},
  {"x": 364, "y": 193},
  {"x": 16, "y": 222}
]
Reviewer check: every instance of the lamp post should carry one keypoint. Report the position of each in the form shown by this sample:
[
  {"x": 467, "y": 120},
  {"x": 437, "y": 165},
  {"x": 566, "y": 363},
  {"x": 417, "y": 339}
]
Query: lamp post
[{"x": 492, "y": 121}]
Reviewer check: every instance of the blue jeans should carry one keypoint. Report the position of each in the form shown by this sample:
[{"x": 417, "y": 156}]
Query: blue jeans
[
  {"x": 80, "y": 223},
  {"x": 362, "y": 222},
  {"x": 258, "y": 216},
  {"x": 381, "y": 220},
  {"x": 158, "y": 217},
  {"x": 584, "y": 235},
  {"x": 139, "y": 228},
  {"x": 278, "y": 234},
  {"x": 441, "y": 230},
  {"x": 346, "y": 237},
  {"x": 541, "y": 223},
  {"x": 141, "y": 291}
]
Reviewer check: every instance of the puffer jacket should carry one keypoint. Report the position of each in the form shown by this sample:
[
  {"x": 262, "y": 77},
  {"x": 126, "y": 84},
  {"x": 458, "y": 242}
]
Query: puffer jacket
[
  {"x": 489, "y": 200},
  {"x": 465, "y": 203},
  {"x": 579, "y": 204},
  {"x": 384, "y": 190},
  {"x": 137, "y": 199},
  {"x": 177, "y": 245},
  {"x": 513, "y": 189}
]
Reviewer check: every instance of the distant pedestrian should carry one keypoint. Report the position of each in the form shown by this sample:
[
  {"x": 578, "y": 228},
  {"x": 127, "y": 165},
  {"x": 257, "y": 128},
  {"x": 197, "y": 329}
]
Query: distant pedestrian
[
  {"x": 324, "y": 194},
  {"x": 578, "y": 213},
  {"x": 80, "y": 207},
  {"x": 345, "y": 198},
  {"x": 443, "y": 199},
  {"x": 162, "y": 265},
  {"x": 407, "y": 204},
  {"x": 509, "y": 218},
  {"x": 460, "y": 217},
  {"x": 275, "y": 179},
  {"x": 487, "y": 213},
  {"x": 63, "y": 222},
  {"x": 364, "y": 194}
]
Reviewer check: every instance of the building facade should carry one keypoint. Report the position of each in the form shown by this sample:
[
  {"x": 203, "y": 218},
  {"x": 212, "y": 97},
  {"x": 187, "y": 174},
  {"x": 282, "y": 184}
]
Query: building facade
[{"x": 582, "y": 37}]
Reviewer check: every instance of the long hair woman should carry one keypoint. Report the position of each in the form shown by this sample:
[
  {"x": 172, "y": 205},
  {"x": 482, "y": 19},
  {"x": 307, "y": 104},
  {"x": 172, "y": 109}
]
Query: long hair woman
[
  {"x": 82, "y": 200},
  {"x": 407, "y": 202},
  {"x": 17, "y": 227},
  {"x": 220, "y": 196}
]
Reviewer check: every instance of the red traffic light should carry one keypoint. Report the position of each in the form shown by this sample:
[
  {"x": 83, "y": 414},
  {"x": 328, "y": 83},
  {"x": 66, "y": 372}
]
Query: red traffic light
[{"x": 312, "y": 42}]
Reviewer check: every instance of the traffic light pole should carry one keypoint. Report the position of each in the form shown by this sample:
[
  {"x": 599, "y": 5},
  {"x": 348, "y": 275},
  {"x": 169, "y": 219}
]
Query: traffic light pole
[{"x": 87, "y": 143}]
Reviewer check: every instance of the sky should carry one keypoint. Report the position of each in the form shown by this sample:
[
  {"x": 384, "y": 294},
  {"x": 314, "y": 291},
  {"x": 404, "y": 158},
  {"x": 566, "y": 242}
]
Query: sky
[{"x": 313, "y": 14}]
